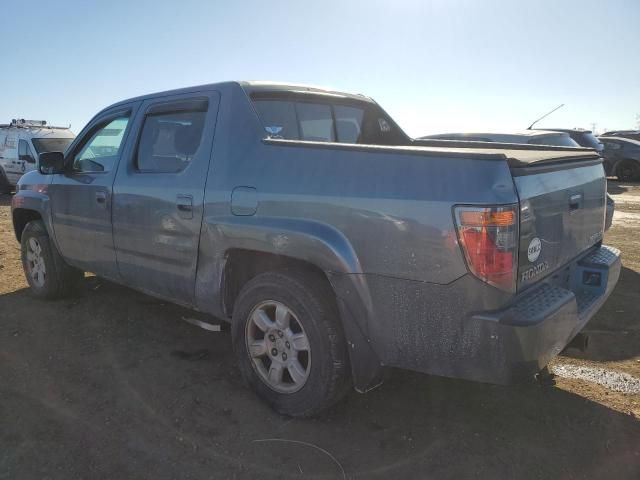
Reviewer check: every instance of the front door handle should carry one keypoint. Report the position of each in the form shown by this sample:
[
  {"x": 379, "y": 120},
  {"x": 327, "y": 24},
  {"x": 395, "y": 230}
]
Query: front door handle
[
  {"x": 184, "y": 203},
  {"x": 101, "y": 198}
]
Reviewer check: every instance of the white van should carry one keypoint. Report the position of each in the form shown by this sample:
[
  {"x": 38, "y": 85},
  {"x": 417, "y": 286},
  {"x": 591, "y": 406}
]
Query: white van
[{"x": 21, "y": 143}]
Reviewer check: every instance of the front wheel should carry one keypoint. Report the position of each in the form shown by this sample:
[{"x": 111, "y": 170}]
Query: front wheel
[
  {"x": 47, "y": 274},
  {"x": 289, "y": 344}
]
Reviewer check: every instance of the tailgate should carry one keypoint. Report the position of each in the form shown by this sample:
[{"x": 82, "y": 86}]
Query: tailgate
[{"x": 562, "y": 211}]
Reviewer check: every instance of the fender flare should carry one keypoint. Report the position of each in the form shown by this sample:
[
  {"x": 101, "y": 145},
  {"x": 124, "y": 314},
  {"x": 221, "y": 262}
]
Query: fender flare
[
  {"x": 33, "y": 200},
  {"x": 310, "y": 241}
]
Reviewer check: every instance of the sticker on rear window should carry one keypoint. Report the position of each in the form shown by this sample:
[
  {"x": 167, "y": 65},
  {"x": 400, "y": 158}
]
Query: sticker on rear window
[{"x": 273, "y": 131}]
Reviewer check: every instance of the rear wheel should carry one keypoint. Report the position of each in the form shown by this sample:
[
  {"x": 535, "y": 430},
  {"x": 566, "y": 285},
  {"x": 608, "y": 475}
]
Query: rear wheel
[
  {"x": 47, "y": 273},
  {"x": 628, "y": 170},
  {"x": 289, "y": 344}
]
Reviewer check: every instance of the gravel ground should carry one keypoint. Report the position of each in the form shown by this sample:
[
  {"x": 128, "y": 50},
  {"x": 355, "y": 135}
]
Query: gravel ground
[{"x": 114, "y": 384}]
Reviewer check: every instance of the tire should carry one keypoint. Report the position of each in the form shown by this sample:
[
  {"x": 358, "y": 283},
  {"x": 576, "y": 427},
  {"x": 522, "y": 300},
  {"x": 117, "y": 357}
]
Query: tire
[
  {"x": 321, "y": 376},
  {"x": 627, "y": 170},
  {"x": 47, "y": 273}
]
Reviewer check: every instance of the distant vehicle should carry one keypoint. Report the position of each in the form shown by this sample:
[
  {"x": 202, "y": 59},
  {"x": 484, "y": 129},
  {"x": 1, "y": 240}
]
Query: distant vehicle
[
  {"x": 22, "y": 142},
  {"x": 531, "y": 137},
  {"x": 333, "y": 243},
  {"x": 621, "y": 157},
  {"x": 584, "y": 138},
  {"x": 631, "y": 134}
]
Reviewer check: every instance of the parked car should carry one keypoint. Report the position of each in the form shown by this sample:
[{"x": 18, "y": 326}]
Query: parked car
[
  {"x": 21, "y": 142},
  {"x": 584, "y": 138},
  {"x": 333, "y": 243},
  {"x": 532, "y": 137},
  {"x": 630, "y": 134},
  {"x": 621, "y": 157}
]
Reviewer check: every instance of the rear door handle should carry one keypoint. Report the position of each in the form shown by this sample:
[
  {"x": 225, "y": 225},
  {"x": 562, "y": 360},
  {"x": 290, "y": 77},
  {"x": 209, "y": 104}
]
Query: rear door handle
[
  {"x": 574, "y": 201},
  {"x": 184, "y": 203}
]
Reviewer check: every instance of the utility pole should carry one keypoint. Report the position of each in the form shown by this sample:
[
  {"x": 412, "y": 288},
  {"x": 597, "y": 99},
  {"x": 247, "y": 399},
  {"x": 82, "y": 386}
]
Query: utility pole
[{"x": 593, "y": 127}]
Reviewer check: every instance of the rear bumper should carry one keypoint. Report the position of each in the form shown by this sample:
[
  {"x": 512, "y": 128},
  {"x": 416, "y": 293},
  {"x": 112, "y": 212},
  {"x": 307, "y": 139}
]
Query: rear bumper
[
  {"x": 519, "y": 341},
  {"x": 461, "y": 330}
]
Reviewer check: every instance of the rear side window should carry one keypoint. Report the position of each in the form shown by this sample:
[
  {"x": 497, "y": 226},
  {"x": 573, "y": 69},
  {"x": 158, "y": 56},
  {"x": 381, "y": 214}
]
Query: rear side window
[{"x": 169, "y": 140}]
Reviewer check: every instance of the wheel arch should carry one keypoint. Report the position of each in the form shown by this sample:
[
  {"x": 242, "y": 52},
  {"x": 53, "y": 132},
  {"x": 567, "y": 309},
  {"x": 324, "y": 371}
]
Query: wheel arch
[
  {"x": 255, "y": 245},
  {"x": 21, "y": 217}
]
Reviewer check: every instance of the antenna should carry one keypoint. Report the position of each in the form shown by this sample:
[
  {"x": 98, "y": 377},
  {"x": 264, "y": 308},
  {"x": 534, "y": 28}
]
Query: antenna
[{"x": 546, "y": 115}]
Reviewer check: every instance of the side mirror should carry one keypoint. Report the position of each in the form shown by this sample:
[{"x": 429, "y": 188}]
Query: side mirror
[
  {"x": 28, "y": 158},
  {"x": 51, "y": 163}
]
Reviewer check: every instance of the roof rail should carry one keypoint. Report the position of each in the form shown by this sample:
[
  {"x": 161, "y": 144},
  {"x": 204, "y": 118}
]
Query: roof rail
[{"x": 22, "y": 123}]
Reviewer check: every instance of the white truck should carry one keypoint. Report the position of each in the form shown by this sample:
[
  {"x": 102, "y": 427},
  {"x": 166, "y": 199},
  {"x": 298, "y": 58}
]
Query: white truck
[{"x": 22, "y": 142}]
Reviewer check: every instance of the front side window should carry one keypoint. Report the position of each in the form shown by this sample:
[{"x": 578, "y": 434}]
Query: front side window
[
  {"x": 100, "y": 153},
  {"x": 24, "y": 152},
  {"x": 169, "y": 141}
]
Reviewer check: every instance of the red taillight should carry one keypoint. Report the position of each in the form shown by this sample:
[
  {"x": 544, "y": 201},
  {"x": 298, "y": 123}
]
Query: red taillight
[{"x": 489, "y": 240}]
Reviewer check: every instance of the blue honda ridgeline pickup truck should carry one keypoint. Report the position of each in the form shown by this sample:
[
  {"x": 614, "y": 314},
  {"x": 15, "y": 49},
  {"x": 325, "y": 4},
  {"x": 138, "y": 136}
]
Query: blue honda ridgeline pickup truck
[{"x": 334, "y": 243}]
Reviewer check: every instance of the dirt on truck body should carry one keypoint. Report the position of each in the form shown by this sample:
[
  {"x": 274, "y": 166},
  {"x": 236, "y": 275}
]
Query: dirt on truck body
[{"x": 111, "y": 383}]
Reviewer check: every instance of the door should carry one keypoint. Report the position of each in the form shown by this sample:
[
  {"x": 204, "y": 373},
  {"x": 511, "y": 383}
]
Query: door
[
  {"x": 81, "y": 198},
  {"x": 17, "y": 166},
  {"x": 159, "y": 195}
]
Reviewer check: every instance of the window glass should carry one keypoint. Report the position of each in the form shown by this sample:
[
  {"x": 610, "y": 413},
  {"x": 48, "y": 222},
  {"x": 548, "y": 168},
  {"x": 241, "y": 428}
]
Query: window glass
[
  {"x": 316, "y": 122},
  {"x": 555, "y": 140},
  {"x": 100, "y": 152},
  {"x": 348, "y": 122},
  {"x": 169, "y": 141},
  {"x": 24, "y": 152},
  {"x": 51, "y": 144},
  {"x": 278, "y": 118},
  {"x": 589, "y": 140},
  {"x": 321, "y": 120}
]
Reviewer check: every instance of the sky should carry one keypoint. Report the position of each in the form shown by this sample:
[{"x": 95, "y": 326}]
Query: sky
[{"x": 435, "y": 66}]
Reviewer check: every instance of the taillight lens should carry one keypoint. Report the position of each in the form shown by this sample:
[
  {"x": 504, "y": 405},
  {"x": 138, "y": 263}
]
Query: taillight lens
[{"x": 489, "y": 240}]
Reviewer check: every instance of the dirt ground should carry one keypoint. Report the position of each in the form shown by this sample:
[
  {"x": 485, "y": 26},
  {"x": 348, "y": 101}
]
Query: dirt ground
[{"x": 113, "y": 384}]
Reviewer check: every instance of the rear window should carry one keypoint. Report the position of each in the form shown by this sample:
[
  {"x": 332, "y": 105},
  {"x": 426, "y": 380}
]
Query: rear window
[
  {"x": 324, "y": 121},
  {"x": 555, "y": 140},
  {"x": 589, "y": 140},
  {"x": 51, "y": 144}
]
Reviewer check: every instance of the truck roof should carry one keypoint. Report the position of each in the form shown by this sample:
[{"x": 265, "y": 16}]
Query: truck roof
[{"x": 250, "y": 86}]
